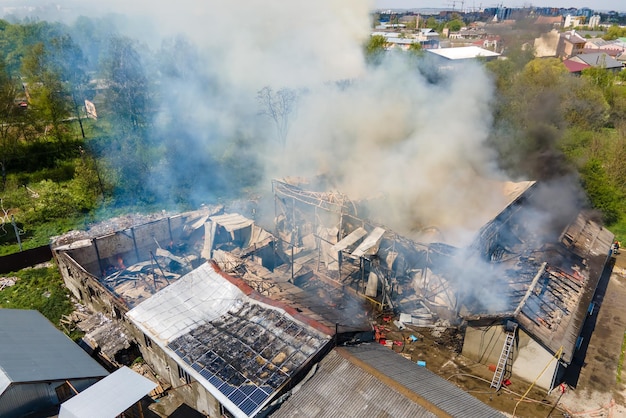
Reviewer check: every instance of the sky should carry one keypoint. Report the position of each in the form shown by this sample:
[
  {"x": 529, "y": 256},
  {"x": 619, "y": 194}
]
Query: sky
[{"x": 600, "y": 5}]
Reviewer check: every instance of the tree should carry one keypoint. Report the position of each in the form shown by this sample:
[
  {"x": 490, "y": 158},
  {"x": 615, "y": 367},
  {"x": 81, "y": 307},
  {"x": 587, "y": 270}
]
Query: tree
[
  {"x": 9, "y": 114},
  {"x": 47, "y": 93},
  {"x": 279, "y": 107},
  {"x": 603, "y": 195},
  {"x": 416, "y": 48},
  {"x": 374, "y": 49},
  {"x": 432, "y": 23},
  {"x": 127, "y": 95},
  {"x": 68, "y": 58},
  {"x": 455, "y": 25},
  {"x": 584, "y": 104},
  {"x": 614, "y": 32},
  {"x": 129, "y": 152}
]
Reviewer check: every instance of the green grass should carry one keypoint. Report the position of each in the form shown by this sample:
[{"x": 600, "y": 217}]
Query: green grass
[
  {"x": 41, "y": 289},
  {"x": 619, "y": 229}
]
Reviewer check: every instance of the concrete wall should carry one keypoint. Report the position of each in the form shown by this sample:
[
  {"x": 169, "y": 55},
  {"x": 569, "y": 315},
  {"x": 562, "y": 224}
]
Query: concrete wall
[
  {"x": 86, "y": 287},
  {"x": 194, "y": 394},
  {"x": 131, "y": 245},
  {"x": 484, "y": 345},
  {"x": 535, "y": 363}
]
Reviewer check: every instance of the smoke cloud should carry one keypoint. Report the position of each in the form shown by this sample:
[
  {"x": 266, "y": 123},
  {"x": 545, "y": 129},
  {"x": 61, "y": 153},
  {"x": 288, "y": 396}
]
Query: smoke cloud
[{"x": 394, "y": 130}]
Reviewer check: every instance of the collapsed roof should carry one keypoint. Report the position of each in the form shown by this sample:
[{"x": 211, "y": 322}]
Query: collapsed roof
[
  {"x": 545, "y": 284},
  {"x": 540, "y": 270}
]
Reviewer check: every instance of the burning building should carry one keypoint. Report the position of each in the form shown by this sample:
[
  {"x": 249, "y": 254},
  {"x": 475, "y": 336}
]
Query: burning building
[
  {"x": 546, "y": 283},
  {"x": 521, "y": 291},
  {"x": 231, "y": 333},
  {"x": 232, "y": 316}
]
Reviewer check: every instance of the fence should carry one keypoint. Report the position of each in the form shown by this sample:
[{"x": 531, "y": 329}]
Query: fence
[{"x": 23, "y": 259}]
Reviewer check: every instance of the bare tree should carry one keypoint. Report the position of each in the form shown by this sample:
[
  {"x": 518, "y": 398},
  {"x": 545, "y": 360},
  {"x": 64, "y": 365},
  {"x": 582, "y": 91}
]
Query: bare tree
[{"x": 279, "y": 107}]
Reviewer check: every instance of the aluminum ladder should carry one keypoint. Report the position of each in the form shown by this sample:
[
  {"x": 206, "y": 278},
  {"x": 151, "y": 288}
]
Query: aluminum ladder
[{"x": 498, "y": 375}]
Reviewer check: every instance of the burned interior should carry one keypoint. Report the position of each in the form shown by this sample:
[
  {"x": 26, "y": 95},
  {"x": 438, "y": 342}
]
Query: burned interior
[{"x": 330, "y": 270}]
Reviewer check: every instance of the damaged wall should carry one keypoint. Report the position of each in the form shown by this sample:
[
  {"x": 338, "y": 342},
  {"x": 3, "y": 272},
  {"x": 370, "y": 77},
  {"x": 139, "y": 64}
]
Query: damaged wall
[
  {"x": 167, "y": 369},
  {"x": 483, "y": 344}
]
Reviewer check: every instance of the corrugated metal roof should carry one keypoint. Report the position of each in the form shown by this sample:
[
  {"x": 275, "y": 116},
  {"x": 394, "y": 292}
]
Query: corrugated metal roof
[
  {"x": 109, "y": 397},
  {"x": 341, "y": 389},
  {"x": 232, "y": 222},
  {"x": 241, "y": 350},
  {"x": 599, "y": 60},
  {"x": 31, "y": 350},
  {"x": 439, "y": 392}
]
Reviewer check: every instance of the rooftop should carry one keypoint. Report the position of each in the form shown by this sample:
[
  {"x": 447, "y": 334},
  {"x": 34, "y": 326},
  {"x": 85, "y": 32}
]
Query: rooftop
[
  {"x": 33, "y": 350},
  {"x": 464, "y": 52},
  {"x": 242, "y": 350},
  {"x": 110, "y": 397},
  {"x": 371, "y": 380}
]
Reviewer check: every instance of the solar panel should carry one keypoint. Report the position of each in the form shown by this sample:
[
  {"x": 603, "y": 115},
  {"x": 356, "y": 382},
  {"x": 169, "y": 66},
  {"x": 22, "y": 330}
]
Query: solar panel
[
  {"x": 240, "y": 353},
  {"x": 248, "y": 388},
  {"x": 258, "y": 396},
  {"x": 248, "y": 406},
  {"x": 227, "y": 389},
  {"x": 237, "y": 397}
]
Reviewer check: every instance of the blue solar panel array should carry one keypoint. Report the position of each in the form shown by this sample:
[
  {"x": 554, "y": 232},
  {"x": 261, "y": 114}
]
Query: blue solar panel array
[{"x": 247, "y": 355}]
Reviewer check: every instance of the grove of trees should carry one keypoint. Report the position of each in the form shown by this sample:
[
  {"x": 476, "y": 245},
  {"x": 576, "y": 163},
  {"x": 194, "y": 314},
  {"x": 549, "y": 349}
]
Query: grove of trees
[{"x": 61, "y": 169}]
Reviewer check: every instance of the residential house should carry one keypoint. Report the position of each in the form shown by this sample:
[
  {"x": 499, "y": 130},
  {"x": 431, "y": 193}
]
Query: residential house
[
  {"x": 40, "y": 367},
  {"x": 570, "y": 44},
  {"x": 594, "y": 60}
]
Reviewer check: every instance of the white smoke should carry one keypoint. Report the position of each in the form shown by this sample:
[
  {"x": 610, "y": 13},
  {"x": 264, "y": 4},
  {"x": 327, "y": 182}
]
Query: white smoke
[{"x": 386, "y": 130}]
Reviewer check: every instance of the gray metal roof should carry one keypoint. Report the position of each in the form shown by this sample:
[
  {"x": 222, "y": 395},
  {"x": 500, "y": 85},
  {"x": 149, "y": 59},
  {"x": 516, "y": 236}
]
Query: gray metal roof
[
  {"x": 598, "y": 60},
  {"x": 109, "y": 397},
  {"x": 241, "y": 350},
  {"x": 32, "y": 349},
  {"x": 339, "y": 388},
  {"x": 435, "y": 390}
]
